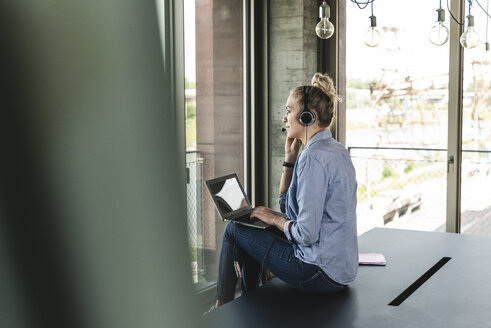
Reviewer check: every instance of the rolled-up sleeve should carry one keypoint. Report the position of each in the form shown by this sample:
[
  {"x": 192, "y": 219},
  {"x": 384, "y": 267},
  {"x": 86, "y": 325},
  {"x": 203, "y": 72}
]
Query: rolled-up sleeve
[
  {"x": 287, "y": 227},
  {"x": 311, "y": 195},
  {"x": 282, "y": 201}
]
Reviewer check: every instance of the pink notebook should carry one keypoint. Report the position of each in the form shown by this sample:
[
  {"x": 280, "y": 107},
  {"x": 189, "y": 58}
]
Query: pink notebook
[{"x": 371, "y": 259}]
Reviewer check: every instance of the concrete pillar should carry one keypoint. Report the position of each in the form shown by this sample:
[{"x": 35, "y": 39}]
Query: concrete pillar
[{"x": 292, "y": 62}]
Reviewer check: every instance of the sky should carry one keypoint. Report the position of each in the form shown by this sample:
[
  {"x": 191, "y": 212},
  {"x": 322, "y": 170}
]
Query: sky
[
  {"x": 189, "y": 40},
  {"x": 413, "y": 18}
]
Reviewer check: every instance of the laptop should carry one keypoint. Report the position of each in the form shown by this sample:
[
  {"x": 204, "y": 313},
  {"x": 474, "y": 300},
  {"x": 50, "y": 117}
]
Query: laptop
[{"x": 232, "y": 202}]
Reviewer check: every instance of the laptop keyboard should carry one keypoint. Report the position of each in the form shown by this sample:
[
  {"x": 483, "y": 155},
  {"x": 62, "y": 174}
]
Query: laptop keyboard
[
  {"x": 245, "y": 218},
  {"x": 254, "y": 220}
]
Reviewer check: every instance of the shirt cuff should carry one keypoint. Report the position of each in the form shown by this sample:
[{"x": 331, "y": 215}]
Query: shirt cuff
[
  {"x": 287, "y": 228},
  {"x": 282, "y": 201}
]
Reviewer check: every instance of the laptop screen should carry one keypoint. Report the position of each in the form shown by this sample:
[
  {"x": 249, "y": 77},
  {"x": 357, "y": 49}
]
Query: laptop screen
[{"x": 228, "y": 195}]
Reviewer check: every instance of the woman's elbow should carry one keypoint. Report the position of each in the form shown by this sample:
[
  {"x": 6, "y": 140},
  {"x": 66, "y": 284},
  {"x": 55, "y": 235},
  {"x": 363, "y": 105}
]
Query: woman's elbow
[{"x": 307, "y": 238}]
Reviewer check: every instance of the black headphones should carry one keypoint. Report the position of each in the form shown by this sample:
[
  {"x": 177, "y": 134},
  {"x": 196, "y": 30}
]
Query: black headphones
[{"x": 306, "y": 116}]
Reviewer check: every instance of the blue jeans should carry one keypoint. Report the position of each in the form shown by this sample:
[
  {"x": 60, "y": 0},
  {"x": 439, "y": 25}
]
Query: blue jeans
[{"x": 249, "y": 247}]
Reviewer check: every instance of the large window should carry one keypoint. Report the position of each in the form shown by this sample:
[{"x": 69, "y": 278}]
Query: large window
[
  {"x": 398, "y": 115},
  {"x": 396, "y": 109},
  {"x": 214, "y": 120},
  {"x": 476, "y": 135}
]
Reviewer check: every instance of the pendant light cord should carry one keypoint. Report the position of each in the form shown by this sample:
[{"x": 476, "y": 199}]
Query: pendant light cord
[
  {"x": 487, "y": 20},
  {"x": 485, "y": 11},
  {"x": 455, "y": 19},
  {"x": 359, "y": 3}
]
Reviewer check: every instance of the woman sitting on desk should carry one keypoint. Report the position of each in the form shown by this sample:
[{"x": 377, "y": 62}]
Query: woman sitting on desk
[{"x": 314, "y": 247}]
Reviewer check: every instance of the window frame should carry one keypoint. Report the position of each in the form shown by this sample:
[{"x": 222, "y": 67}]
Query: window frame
[{"x": 207, "y": 295}]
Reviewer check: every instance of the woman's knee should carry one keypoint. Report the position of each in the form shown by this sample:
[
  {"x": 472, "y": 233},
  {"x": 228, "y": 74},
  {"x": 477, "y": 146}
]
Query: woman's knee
[{"x": 229, "y": 232}]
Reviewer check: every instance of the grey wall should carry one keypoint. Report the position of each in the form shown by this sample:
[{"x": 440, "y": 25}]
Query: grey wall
[{"x": 292, "y": 62}]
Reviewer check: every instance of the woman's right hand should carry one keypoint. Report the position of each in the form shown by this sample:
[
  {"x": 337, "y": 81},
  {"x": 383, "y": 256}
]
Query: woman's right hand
[{"x": 292, "y": 148}]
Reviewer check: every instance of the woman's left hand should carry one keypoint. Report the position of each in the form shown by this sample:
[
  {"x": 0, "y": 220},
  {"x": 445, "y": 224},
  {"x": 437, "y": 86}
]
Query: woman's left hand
[{"x": 268, "y": 216}]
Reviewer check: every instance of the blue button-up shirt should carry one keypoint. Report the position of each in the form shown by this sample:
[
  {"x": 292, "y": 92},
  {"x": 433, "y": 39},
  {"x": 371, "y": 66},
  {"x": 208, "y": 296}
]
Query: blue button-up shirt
[{"x": 321, "y": 206}]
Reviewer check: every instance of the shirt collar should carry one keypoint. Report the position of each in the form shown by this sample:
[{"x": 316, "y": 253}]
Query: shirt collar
[{"x": 322, "y": 135}]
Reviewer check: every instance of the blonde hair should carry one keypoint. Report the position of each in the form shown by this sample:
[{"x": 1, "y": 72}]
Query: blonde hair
[{"x": 322, "y": 98}]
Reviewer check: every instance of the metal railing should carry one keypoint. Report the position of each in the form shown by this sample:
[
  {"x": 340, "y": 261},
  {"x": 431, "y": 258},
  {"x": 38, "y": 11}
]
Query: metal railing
[
  {"x": 194, "y": 180},
  {"x": 404, "y": 187}
]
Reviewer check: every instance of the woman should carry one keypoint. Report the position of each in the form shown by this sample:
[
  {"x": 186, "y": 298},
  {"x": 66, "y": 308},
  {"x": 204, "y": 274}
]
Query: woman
[{"x": 312, "y": 246}]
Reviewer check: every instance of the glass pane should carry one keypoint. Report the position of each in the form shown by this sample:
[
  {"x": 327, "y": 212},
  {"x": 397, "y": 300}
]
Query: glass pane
[
  {"x": 396, "y": 109},
  {"x": 214, "y": 120},
  {"x": 476, "y": 135}
]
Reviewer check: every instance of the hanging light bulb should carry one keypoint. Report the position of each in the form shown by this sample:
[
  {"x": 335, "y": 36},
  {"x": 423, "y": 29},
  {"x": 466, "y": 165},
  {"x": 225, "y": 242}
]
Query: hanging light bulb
[
  {"x": 469, "y": 39},
  {"x": 439, "y": 32},
  {"x": 324, "y": 29},
  {"x": 372, "y": 36}
]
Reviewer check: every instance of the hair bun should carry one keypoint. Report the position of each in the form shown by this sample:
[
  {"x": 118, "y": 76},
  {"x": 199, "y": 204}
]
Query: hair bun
[{"x": 325, "y": 83}]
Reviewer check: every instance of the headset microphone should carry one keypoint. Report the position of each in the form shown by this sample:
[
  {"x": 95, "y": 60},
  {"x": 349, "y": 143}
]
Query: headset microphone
[{"x": 283, "y": 130}]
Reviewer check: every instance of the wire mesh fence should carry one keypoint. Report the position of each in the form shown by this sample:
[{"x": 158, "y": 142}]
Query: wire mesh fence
[
  {"x": 194, "y": 177},
  {"x": 475, "y": 191},
  {"x": 407, "y": 188}
]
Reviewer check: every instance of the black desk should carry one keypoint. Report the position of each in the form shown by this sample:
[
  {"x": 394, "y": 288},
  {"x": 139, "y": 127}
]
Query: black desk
[{"x": 458, "y": 295}]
